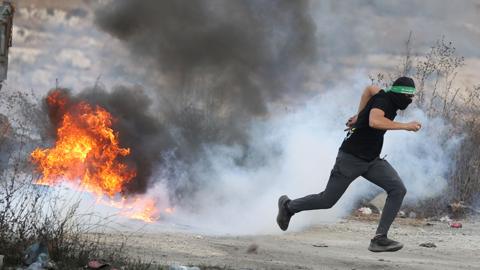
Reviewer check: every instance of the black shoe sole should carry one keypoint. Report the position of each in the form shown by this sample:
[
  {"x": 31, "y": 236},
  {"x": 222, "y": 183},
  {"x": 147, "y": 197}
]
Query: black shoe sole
[
  {"x": 281, "y": 201},
  {"x": 392, "y": 249}
]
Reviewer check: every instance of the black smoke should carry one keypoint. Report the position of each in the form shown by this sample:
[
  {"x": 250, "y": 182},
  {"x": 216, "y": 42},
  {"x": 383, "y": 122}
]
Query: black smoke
[
  {"x": 216, "y": 66},
  {"x": 237, "y": 54},
  {"x": 248, "y": 51}
]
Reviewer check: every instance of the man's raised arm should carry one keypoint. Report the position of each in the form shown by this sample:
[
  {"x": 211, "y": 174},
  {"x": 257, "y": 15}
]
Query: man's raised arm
[{"x": 377, "y": 120}]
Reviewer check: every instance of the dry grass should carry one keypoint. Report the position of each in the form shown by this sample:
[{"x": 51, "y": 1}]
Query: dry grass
[
  {"x": 436, "y": 73},
  {"x": 374, "y": 218},
  {"x": 30, "y": 213}
]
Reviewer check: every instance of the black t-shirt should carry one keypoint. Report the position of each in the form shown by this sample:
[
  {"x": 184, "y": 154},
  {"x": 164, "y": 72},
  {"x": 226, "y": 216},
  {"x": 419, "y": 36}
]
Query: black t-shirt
[{"x": 363, "y": 141}]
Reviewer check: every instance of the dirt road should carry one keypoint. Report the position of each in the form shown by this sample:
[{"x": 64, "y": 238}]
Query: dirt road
[{"x": 335, "y": 246}]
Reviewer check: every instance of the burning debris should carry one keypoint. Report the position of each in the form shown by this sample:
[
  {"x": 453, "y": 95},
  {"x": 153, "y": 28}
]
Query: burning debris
[
  {"x": 87, "y": 155},
  {"x": 86, "y": 149}
]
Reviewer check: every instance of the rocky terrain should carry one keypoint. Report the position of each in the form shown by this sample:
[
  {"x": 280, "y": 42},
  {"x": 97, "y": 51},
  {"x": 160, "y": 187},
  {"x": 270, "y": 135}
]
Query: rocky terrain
[{"x": 334, "y": 246}]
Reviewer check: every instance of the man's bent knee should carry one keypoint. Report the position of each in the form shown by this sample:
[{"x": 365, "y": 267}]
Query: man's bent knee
[{"x": 400, "y": 191}]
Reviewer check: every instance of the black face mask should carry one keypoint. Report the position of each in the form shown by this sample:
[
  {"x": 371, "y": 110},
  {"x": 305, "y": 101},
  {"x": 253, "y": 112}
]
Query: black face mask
[{"x": 400, "y": 100}]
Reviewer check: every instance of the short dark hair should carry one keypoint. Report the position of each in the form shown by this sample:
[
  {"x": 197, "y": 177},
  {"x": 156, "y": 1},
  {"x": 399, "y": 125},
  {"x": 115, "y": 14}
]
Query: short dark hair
[{"x": 404, "y": 81}]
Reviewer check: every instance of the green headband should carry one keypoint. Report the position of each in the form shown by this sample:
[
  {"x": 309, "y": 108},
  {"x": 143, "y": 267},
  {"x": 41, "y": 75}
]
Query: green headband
[{"x": 402, "y": 89}]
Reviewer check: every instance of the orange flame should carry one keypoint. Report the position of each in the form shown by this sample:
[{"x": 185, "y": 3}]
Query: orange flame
[
  {"x": 87, "y": 153},
  {"x": 142, "y": 208}
]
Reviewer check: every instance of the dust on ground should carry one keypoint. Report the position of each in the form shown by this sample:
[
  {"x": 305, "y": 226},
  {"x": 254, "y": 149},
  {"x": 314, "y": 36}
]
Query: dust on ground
[{"x": 334, "y": 246}]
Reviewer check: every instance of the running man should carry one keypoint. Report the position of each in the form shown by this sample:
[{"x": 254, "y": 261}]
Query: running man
[{"x": 359, "y": 155}]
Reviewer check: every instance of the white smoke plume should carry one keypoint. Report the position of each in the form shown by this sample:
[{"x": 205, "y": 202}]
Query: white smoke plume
[{"x": 293, "y": 153}]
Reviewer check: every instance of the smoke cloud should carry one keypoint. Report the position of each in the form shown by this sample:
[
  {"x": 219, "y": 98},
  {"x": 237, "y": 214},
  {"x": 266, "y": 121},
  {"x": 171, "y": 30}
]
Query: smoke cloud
[
  {"x": 228, "y": 121},
  {"x": 223, "y": 60},
  {"x": 219, "y": 65}
]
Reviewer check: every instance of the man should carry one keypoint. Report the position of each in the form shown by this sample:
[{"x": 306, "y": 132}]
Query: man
[{"x": 359, "y": 155}]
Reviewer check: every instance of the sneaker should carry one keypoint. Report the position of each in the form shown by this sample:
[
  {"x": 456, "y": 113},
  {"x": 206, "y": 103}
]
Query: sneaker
[
  {"x": 283, "y": 217},
  {"x": 382, "y": 243}
]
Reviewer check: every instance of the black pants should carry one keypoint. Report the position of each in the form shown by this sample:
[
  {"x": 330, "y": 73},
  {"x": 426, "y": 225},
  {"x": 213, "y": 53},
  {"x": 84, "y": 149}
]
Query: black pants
[{"x": 347, "y": 168}]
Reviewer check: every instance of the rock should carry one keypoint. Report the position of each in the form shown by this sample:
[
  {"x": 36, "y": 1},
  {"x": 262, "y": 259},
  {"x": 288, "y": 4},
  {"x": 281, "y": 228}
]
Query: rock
[
  {"x": 412, "y": 215},
  {"x": 428, "y": 245},
  {"x": 252, "y": 249},
  {"x": 1, "y": 261},
  {"x": 365, "y": 211}
]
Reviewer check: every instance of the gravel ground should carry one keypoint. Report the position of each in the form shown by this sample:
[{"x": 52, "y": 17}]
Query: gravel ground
[{"x": 334, "y": 246}]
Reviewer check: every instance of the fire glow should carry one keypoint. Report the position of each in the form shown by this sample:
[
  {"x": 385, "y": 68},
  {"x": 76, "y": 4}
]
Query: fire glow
[{"x": 87, "y": 154}]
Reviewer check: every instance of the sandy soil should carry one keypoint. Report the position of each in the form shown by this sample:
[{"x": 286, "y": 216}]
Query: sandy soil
[{"x": 334, "y": 246}]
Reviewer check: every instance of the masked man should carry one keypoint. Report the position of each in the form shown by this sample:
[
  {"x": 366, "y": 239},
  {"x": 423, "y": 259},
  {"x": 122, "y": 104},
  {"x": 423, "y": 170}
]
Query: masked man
[{"x": 359, "y": 155}]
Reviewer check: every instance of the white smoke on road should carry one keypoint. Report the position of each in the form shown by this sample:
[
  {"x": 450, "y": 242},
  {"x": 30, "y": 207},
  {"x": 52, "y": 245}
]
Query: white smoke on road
[{"x": 293, "y": 153}]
